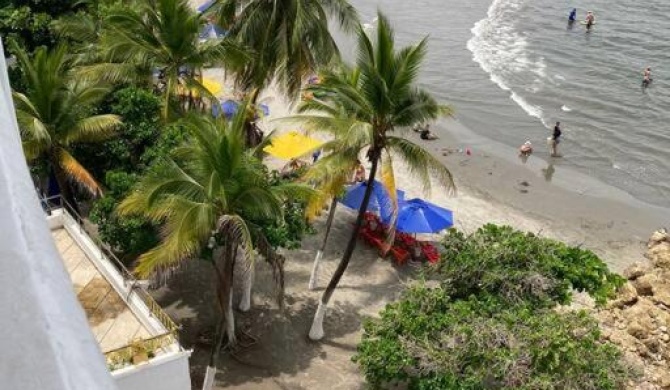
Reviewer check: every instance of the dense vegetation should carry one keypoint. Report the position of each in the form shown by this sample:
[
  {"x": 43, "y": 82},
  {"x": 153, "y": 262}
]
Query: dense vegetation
[
  {"x": 112, "y": 107},
  {"x": 492, "y": 324}
]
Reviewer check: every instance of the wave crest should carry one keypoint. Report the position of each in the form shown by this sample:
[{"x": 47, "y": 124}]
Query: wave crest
[{"x": 501, "y": 51}]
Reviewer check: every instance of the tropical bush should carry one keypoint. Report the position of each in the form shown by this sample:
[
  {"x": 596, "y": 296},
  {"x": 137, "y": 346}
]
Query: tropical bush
[
  {"x": 427, "y": 340},
  {"x": 520, "y": 267},
  {"x": 490, "y": 321},
  {"x": 288, "y": 231},
  {"x": 128, "y": 236},
  {"x": 139, "y": 134}
]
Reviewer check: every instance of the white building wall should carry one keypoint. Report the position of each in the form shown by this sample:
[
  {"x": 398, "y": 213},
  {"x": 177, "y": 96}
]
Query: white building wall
[
  {"x": 164, "y": 373},
  {"x": 45, "y": 342}
]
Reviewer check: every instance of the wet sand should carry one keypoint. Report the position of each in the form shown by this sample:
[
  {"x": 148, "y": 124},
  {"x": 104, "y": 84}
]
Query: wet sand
[{"x": 541, "y": 195}]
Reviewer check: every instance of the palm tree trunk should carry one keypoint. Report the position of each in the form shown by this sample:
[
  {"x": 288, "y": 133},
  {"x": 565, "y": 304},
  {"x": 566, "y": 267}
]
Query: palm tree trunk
[
  {"x": 210, "y": 373},
  {"x": 247, "y": 283},
  {"x": 316, "y": 331},
  {"x": 315, "y": 268},
  {"x": 226, "y": 324}
]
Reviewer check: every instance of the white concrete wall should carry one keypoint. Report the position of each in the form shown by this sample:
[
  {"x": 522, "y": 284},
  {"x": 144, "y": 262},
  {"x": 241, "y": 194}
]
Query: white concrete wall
[
  {"x": 161, "y": 373},
  {"x": 45, "y": 340}
]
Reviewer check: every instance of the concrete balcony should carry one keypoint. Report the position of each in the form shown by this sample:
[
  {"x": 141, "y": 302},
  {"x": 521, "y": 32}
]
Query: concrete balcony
[{"x": 138, "y": 339}]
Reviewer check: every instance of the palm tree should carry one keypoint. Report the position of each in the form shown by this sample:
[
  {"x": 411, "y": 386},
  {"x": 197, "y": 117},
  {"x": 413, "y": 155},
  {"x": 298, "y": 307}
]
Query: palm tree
[
  {"x": 361, "y": 108},
  {"x": 55, "y": 112},
  {"x": 290, "y": 38},
  {"x": 205, "y": 196},
  {"x": 163, "y": 36}
]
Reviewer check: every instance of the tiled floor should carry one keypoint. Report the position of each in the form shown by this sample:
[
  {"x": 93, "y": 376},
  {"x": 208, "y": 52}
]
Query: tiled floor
[{"x": 112, "y": 322}]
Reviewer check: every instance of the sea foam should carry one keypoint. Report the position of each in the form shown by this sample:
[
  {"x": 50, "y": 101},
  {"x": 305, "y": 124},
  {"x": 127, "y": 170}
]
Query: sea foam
[{"x": 501, "y": 51}]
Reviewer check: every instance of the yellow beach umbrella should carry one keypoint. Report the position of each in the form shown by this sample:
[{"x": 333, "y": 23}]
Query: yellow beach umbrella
[
  {"x": 212, "y": 86},
  {"x": 291, "y": 145}
]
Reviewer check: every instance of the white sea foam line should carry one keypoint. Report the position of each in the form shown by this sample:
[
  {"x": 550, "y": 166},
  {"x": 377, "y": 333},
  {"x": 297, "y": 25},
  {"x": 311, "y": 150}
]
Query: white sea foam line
[{"x": 502, "y": 52}]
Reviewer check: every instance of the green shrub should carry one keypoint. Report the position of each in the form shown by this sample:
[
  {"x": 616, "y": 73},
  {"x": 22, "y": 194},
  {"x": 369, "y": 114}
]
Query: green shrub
[
  {"x": 520, "y": 267},
  {"x": 429, "y": 341},
  {"x": 127, "y": 236},
  {"x": 287, "y": 233}
]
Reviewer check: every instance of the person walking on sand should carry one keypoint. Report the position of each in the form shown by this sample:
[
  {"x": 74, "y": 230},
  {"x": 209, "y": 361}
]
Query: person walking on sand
[{"x": 555, "y": 139}]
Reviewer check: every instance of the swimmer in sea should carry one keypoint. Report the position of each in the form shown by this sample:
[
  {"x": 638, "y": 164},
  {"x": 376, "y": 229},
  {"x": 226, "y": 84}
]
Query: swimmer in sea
[
  {"x": 573, "y": 15},
  {"x": 590, "y": 20},
  {"x": 646, "y": 80}
]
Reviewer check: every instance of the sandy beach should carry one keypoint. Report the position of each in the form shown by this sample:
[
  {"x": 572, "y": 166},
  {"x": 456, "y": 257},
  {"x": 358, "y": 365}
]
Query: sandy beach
[{"x": 493, "y": 187}]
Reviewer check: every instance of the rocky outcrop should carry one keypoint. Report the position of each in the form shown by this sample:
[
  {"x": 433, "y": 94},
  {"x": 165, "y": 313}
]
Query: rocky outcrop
[{"x": 639, "y": 318}]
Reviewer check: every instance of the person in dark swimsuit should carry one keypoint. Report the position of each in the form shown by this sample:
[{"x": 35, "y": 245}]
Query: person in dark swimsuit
[
  {"x": 426, "y": 134},
  {"x": 556, "y": 139},
  {"x": 573, "y": 15}
]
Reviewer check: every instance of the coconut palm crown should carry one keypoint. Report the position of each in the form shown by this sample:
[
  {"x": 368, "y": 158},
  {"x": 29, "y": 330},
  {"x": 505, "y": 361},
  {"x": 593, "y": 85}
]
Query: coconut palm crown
[
  {"x": 162, "y": 37},
  {"x": 291, "y": 38},
  {"x": 365, "y": 108},
  {"x": 56, "y": 111},
  {"x": 206, "y": 196}
]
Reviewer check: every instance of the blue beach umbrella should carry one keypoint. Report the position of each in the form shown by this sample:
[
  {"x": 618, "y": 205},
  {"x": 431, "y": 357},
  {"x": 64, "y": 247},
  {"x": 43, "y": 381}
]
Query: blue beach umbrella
[
  {"x": 204, "y": 7},
  {"x": 228, "y": 108},
  {"x": 379, "y": 201},
  {"x": 264, "y": 109},
  {"x": 419, "y": 216}
]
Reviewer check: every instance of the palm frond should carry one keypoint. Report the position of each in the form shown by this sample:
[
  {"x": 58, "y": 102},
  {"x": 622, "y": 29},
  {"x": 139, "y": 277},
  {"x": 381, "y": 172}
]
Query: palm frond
[
  {"x": 183, "y": 237},
  {"x": 77, "y": 172},
  {"x": 421, "y": 163},
  {"x": 93, "y": 129}
]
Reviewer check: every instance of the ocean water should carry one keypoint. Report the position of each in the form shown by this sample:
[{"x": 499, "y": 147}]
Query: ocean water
[{"x": 512, "y": 68}]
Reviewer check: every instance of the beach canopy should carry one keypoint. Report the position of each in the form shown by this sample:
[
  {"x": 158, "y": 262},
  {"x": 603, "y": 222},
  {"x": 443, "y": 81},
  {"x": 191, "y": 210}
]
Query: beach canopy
[
  {"x": 264, "y": 109},
  {"x": 205, "y": 6},
  {"x": 228, "y": 108},
  {"x": 291, "y": 145},
  {"x": 212, "y": 86},
  {"x": 380, "y": 202},
  {"x": 419, "y": 216}
]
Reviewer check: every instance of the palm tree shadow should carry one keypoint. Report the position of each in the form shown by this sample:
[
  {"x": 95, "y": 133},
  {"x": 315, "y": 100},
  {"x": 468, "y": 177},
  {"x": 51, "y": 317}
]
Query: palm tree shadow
[
  {"x": 283, "y": 349},
  {"x": 279, "y": 336}
]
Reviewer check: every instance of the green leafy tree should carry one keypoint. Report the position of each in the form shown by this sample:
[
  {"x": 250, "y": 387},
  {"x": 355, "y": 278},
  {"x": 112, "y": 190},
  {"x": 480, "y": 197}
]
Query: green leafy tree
[
  {"x": 128, "y": 236},
  {"x": 492, "y": 322},
  {"x": 29, "y": 23},
  {"x": 362, "y": 108},
  {"x": 55, "y": 113},
  {"x": 138, "y": 137},
  {"x": 520, "y": 267},
  {"x": 427, "y": 340},
  {"x": 162, "y": 36},
  {"x": 205, "y": 197},
  {"x": 290, "y": 38}
]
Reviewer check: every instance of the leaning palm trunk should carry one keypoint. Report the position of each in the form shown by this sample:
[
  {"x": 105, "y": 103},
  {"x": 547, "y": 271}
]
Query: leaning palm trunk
[
  {"x": 316, "y": 331},
  {"x": 226, "y": 325},
  {"x": 315, "y": 268}
]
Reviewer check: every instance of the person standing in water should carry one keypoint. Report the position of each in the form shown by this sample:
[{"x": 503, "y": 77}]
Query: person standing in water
[
  {"x": 590, "y": 20},
  {"x": 573, "y": 15},
  {"x": 646, "y": 77},
  {"x": 555, "y": 140}
]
